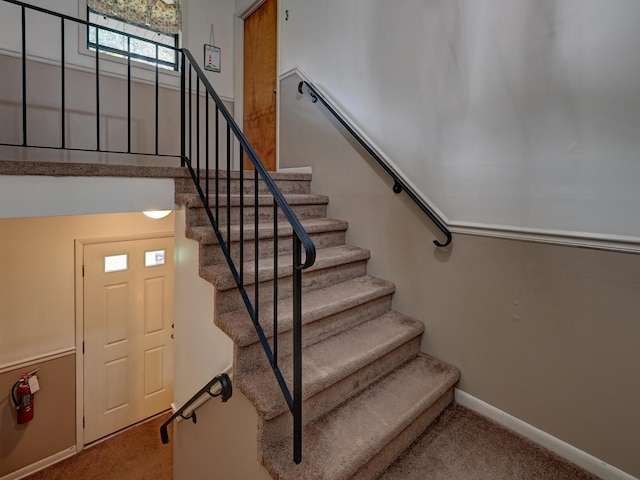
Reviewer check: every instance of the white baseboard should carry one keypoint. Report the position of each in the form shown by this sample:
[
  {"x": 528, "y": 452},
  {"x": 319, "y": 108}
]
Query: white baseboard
[
  {"x": 41, "y": 464},
  {"x": 563, "y": 449}
]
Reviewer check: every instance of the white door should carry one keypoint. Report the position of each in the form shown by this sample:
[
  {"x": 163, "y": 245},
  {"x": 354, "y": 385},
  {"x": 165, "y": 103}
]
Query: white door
[{"x": 128, "y": 320}]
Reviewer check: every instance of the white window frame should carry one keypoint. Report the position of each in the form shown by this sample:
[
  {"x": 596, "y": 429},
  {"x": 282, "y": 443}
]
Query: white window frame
[
  {"x": 116, "y": 66},
  {"x": 138, "y": 31}
]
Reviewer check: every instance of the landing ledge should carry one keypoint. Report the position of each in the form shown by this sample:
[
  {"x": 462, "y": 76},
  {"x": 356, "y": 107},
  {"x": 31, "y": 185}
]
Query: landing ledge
[
  {"x": 63, "y": 169},
  {"x": 58, "y": 169}
]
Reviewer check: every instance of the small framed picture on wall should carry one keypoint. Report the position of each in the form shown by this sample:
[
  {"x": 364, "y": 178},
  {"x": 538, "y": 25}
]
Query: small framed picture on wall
[{"x": 212, "y": 58}]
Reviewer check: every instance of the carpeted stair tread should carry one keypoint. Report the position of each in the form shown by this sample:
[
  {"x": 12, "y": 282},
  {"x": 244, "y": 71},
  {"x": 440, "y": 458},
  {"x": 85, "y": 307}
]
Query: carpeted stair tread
[
  {"x": 222, "y": 278},
  {"x": 338, "y": 445},
  {"x": 329, "y": 361},
  {"x": 192, "y": 200},
  {"x": 206, "y": 236},
  {"x": 368, "y": 391},
  {"x": 316, "y": 304}
]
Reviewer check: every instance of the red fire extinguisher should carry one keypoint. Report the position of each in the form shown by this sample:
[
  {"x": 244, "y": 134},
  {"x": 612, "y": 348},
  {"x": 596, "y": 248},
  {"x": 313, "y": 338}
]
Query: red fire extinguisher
[{"x": 23, "y": 399}]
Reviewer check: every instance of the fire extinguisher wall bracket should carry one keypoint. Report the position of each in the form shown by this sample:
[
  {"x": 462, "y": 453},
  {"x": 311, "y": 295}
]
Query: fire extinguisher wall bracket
[{"x": 13, "y": 395}]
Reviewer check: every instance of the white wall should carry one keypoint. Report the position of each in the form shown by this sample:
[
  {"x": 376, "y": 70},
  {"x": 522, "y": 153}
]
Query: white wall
[
  {"x": 202, "y": 349},
  {"x": 35, "y": 196},
  {"x": 224, "y": 439},
  {"x": 200, "y": 15},
  {"x": 507, "y": 112},
  {"x": 43, "y": 38}
]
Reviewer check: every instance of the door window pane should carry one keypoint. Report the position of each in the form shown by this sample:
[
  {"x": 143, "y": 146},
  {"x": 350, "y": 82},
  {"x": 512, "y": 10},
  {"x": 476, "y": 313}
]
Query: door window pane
[
  {"x": 116, "y": 263},
  {"x": 154, "y": 258}
]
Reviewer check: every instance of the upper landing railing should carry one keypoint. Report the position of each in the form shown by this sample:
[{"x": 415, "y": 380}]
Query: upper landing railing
[
  {"x": 399, "y": 183},
  {"x": 209, "y": 158},
  {"x": 29, "y": 126}
]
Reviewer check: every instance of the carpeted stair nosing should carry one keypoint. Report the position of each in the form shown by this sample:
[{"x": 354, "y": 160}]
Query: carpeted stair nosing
[
  {"x": 342, "y": 442},
  {"x": 222, "y": 278},
  {"x": 206, "y": 236},
  {"x": 192, "y": 200},
  {"x": 347, "y": 295},
  {"x": 331, "y": 360}
]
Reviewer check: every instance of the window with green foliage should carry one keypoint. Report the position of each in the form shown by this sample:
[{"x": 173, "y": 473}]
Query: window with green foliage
[{"x": 145, "y": 30}]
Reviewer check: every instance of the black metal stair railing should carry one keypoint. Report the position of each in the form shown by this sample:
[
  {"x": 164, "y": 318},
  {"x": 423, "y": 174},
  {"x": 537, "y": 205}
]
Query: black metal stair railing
[
  {"x": 192, "y": 134},
  {"x": 226, "y": 390},
  {"x": 399, "y": 183},
  {"x": 196, "y": 145}
]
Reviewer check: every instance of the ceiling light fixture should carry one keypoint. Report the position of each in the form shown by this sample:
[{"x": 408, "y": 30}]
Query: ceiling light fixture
[{"x": 156, "y": 214}]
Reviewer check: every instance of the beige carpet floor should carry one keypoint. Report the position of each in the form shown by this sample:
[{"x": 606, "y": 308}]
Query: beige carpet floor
[
  {"x": 134, "y": 454},
  {"x": 461, "y": 445}
]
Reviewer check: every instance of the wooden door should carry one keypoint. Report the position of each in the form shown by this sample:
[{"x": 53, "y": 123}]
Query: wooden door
[
  {"x": 128, "y": 345},
  {"x": 260, "y": 82}
]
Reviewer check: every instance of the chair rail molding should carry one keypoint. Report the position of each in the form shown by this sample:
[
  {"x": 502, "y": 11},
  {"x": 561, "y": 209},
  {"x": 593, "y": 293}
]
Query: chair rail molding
[{"x": 598, "y": 241}]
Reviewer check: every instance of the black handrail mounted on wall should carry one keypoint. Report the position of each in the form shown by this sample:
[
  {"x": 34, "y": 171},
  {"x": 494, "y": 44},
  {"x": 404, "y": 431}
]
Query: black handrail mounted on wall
[
  {"x": 399, "y": 183},
  {"x": 226, "y": 390},
  {"x": 201, "y": 109}
]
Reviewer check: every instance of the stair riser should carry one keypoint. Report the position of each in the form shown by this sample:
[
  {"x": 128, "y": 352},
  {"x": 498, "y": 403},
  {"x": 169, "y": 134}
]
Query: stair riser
[
  {"x": 229, "y": 300},
  {"x": 198, "y": 216},
  {"x": 212, "y": 254},
  {"x": 376, "y": 465},
  {"x": 325, "y": 400},
  {"x": 247, "y": 358},
  {"x": 186, "y": 185}
]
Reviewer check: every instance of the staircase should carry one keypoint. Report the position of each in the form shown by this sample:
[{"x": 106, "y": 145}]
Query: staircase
[{"x": 368, "y": 390}]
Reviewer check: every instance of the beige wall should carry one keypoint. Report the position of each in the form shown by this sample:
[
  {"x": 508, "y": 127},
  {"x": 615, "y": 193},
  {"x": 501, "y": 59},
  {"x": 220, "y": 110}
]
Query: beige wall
[
  {"x": 37, "y": 279},
  {"x": 37, "y": 295},
  {"x": 545, "y": 333},
  {"x": 52, "y": 429},
  {"x": 222, "y": 445}
]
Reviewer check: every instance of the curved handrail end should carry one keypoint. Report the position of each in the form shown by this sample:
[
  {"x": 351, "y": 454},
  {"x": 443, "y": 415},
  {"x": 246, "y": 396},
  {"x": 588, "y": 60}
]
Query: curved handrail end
[
  {"x": 164, "y": 435},
  {"x": 447, "y": 242},
  {"x": 225, "y": 386}
]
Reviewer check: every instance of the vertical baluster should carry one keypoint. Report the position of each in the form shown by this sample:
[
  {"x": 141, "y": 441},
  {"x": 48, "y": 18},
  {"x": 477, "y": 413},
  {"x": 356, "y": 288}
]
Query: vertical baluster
[
  {"x": 190, "y": 116},
  {"x": 242, "y": 222},
  {"x": 297, "y": 350},
  {"x": 183, "y": 123},
  {"x": 206, "y": 141},
  {"x": 198, "y": 128},
  {"x": 275, "y": 284},
  {"x": 217, "y": 164},
  {"x": 24, "y": 77},
  {"x": 97, "y": 89},
  {"x": 62, "y": 82},
  {"x": 157, "y": 98},
  {"x": 128, "y": 94},
  {"x": 256, "y": 213},
  {"x": 228, "y": 190}
]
